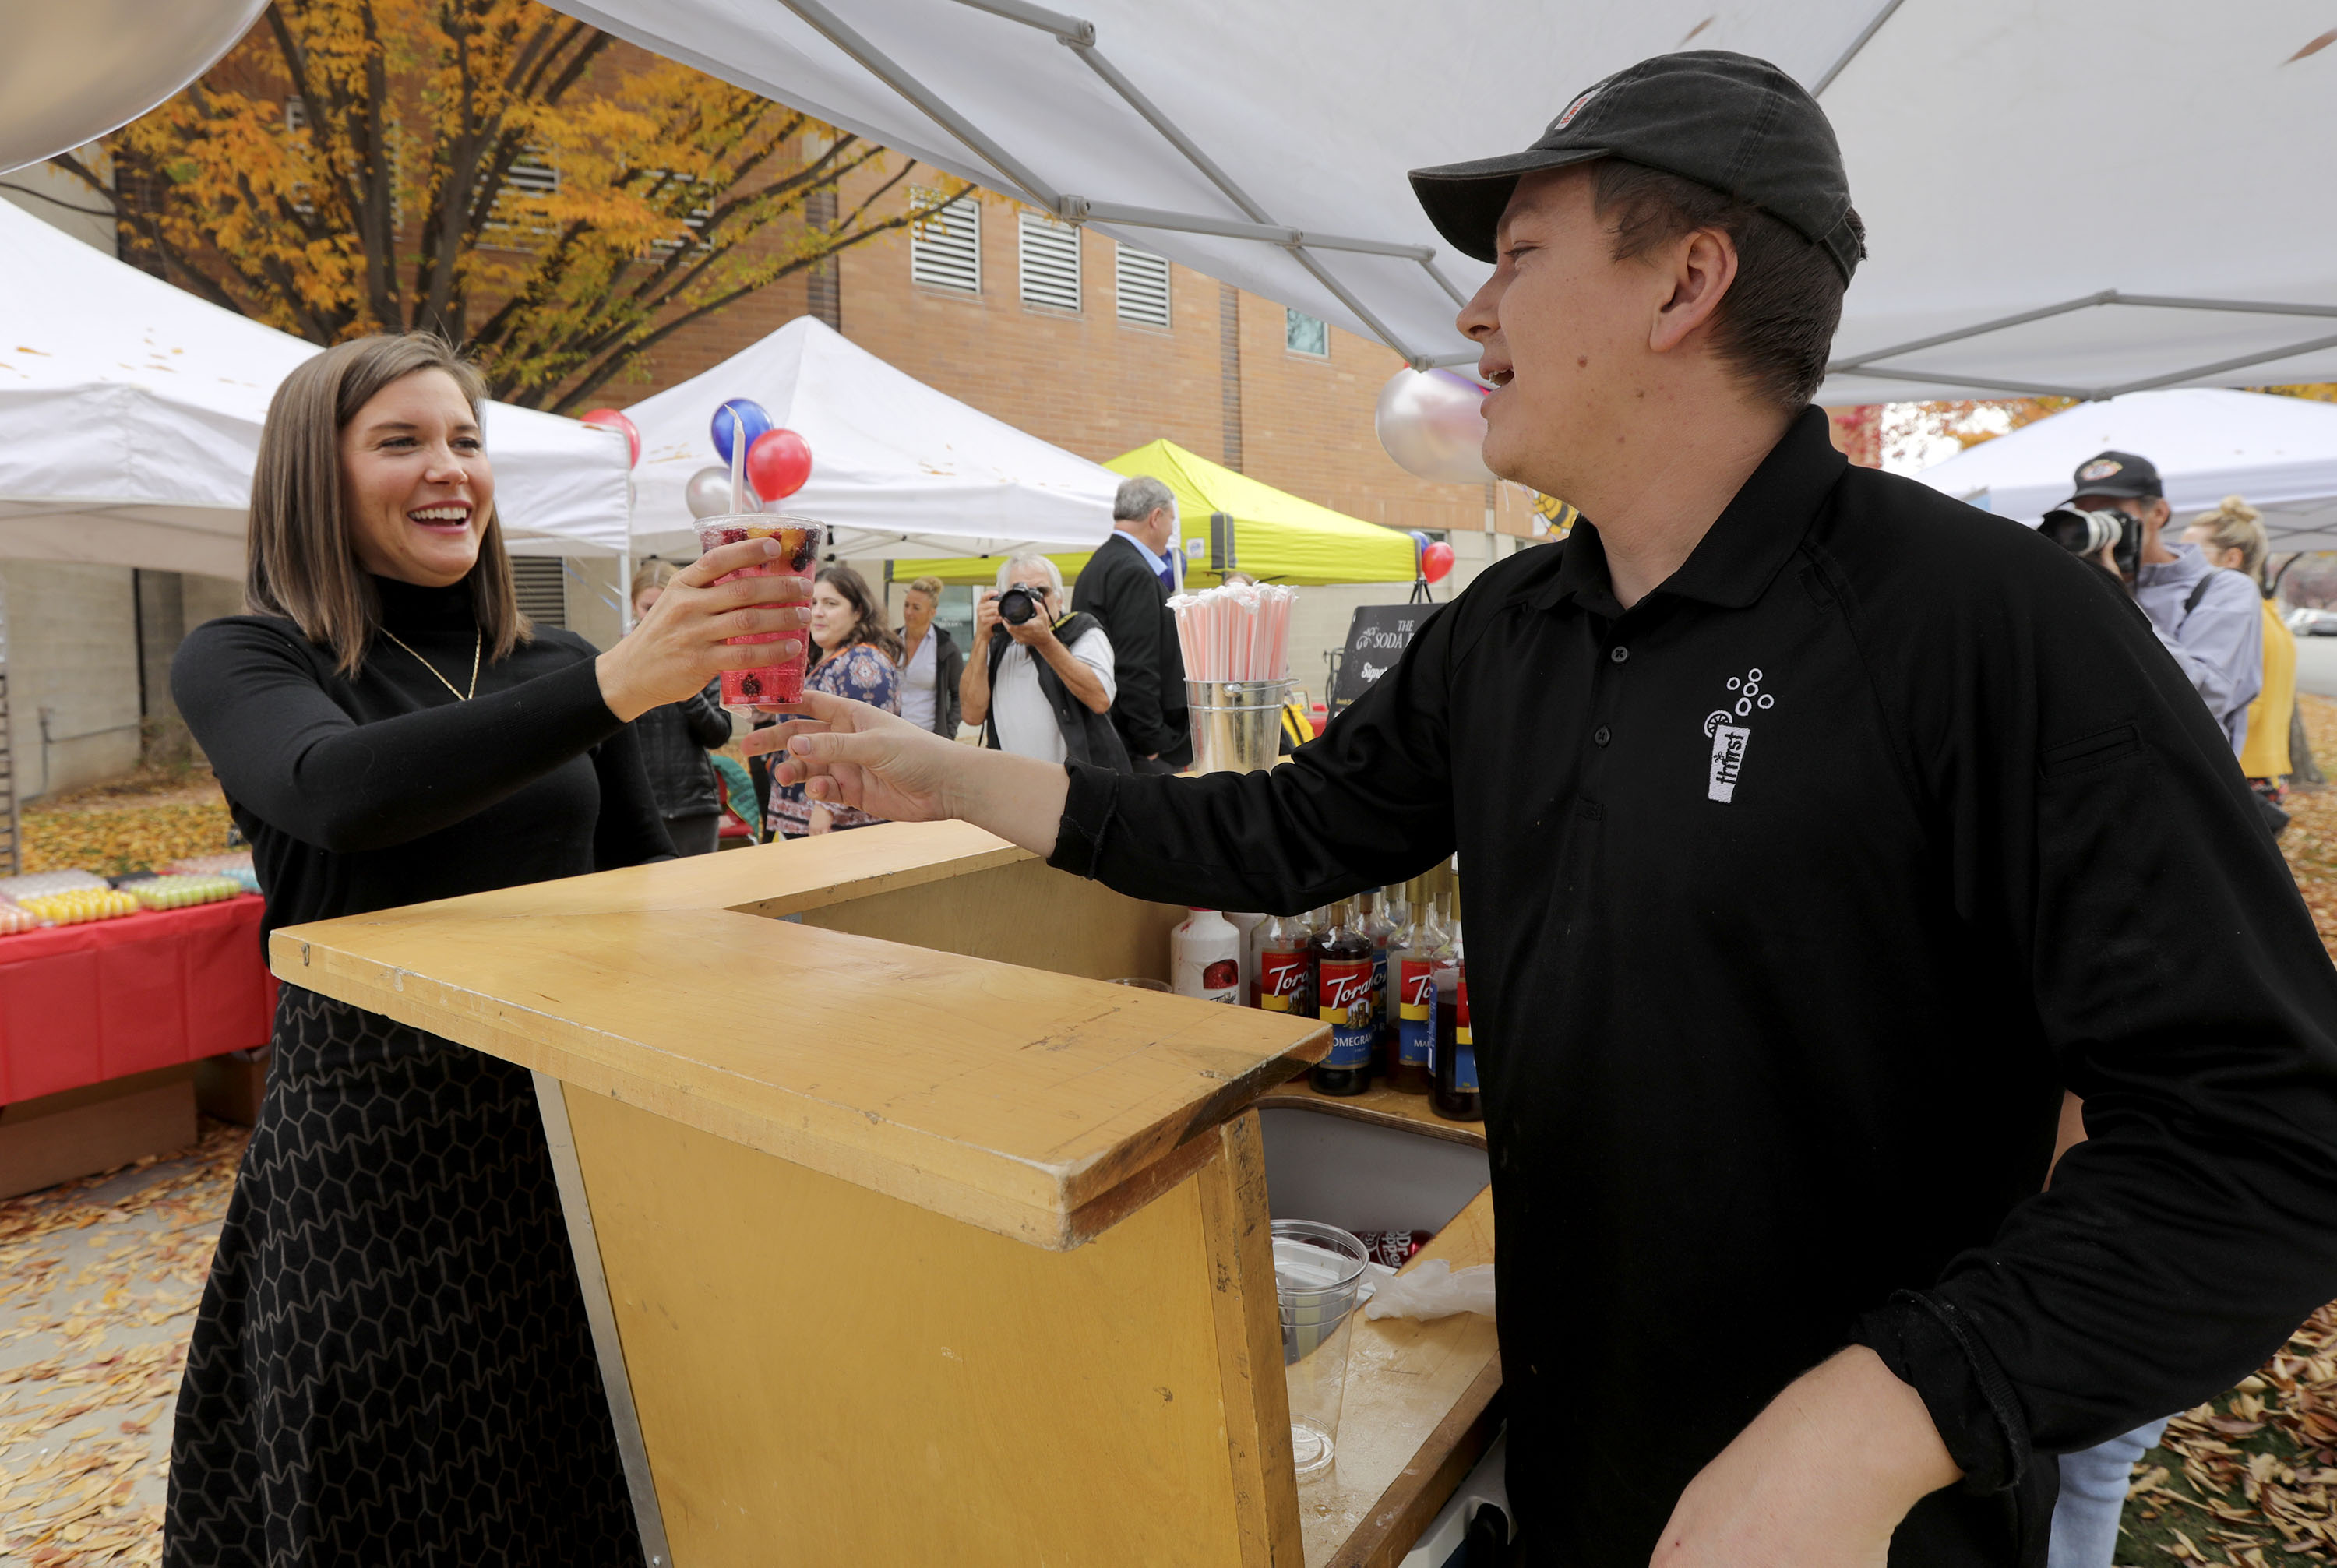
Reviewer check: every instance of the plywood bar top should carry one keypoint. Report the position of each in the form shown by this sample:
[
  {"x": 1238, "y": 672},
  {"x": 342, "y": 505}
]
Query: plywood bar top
[{"x": 1040, "y": 1105}]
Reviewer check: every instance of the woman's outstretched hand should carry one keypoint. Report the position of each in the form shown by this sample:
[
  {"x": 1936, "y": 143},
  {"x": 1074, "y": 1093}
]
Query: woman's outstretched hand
[
  {"x": 679, "y": 646},
  {"x": 848, "y": 753}
]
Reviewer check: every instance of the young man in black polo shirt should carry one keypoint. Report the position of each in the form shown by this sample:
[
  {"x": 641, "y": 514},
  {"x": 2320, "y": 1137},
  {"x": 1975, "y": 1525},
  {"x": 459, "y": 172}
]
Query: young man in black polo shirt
[{"x": 1822, "y": 832}]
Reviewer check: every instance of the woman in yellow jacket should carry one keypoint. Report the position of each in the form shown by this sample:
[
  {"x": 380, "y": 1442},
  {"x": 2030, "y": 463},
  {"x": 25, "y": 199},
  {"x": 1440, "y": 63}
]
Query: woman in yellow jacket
[{"x": 2232, "y": 536}]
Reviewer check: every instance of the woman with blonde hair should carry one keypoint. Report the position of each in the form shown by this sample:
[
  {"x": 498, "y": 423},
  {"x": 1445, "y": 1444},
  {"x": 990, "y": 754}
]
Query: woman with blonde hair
[
  {"x": 392, "y": 1362},
  {"x": 2232, "y": 536}
]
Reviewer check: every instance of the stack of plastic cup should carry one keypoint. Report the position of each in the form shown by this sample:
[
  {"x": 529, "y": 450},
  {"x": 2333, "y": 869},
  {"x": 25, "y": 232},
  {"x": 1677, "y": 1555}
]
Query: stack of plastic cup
[
  {"x": 1318, "y": 1271},
  {"x": 801, "y": 540}
]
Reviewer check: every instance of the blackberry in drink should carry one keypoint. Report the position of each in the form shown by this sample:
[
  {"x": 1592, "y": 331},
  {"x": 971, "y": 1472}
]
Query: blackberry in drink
[{"x": 1343, "y": 979}]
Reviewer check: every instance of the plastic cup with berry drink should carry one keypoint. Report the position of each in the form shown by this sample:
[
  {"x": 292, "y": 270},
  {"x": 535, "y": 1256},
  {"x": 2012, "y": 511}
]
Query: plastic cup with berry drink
[{"x": 801, "y": 540}]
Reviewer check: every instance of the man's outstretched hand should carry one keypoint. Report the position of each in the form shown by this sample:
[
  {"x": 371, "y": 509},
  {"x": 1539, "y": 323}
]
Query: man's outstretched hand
[
  {"x": 1819, "y": 1479},
  {"x": 849, "y": 754}
]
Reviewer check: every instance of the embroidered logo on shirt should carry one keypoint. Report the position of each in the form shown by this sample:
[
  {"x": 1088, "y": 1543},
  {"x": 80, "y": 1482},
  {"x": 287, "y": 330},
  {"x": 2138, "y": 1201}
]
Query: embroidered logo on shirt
[{"x": 1729, "y": 738}]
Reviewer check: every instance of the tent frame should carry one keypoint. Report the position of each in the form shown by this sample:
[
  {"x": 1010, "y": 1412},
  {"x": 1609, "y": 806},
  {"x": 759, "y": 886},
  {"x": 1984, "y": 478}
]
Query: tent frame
[
  {"x": 1306, "y": 245},
  {"x": 1079, "y": 36},
  {"x": 1255, "y": 223},
  {"x": 1870, "y": 363}
]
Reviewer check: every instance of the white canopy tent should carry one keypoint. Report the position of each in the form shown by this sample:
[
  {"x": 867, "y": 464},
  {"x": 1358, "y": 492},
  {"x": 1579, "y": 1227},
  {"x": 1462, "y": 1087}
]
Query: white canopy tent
[
  {"x": 2279, "y": 453},
  {"x": 130, "y": 417},
  {"x": 897, "y": 469},
  {"x": 2075, "y": 199}
]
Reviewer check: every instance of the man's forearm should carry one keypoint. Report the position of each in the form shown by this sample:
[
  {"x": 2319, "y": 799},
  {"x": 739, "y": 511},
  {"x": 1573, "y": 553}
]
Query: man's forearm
[{"x": 1017, "y": 798}]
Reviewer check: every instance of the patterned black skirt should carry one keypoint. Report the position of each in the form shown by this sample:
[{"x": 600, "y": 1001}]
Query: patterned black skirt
[{"x": 392, "y": 1363}]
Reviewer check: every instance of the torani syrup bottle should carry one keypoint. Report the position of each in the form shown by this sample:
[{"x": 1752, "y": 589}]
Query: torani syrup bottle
[
  {"x": 1454, "y": 1093},
  {"x": 1342, "y": 980}
]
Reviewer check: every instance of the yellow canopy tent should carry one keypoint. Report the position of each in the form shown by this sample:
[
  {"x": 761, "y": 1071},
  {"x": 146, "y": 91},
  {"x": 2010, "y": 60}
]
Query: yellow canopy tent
[{"x": 1231, "y": 522}]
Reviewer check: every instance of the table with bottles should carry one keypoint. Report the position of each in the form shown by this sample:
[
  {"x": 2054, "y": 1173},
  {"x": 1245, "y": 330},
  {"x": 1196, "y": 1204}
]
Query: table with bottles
[{"x": 908, "y": 1237}]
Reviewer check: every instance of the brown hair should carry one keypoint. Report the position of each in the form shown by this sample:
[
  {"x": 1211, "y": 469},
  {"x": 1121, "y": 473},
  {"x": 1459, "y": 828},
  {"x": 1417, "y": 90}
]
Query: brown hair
[
  {"x": 653, "y": 573},
  {"x": 1775, "y": 326},
  {"x": 868, "y": 622},
  {"x": 2236, "y": 525},
  {"x": 299, "y": 562}
]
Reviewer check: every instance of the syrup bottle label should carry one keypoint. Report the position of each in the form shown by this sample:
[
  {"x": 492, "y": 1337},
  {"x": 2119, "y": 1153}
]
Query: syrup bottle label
[
  {"x": 1346, "y": 1005},
  {"x": 1464, "y": 1044},
  {"x": 1280, "y": 977},
  {"x": 1415, "y": 1029}
]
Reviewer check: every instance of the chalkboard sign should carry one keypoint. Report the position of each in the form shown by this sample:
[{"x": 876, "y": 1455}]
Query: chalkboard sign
[{"x": 1377, "y": 637}]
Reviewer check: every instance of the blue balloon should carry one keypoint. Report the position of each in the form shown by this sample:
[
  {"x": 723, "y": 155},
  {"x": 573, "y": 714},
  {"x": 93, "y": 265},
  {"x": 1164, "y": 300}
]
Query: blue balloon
[
  {"x": 738, "y": 411},
  {"x": 1419, "y": 541}
]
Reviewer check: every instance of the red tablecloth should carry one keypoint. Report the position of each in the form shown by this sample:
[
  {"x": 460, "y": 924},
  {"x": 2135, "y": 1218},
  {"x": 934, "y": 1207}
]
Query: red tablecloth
[{"x": 82, "y": 1004}]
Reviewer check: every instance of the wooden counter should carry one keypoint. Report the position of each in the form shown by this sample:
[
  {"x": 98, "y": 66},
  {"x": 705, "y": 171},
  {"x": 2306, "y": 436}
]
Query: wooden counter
[{"x": 906, "y": 1237}]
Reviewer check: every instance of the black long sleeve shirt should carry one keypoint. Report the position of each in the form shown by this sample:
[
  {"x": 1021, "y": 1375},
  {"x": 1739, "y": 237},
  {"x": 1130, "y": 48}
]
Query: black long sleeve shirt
[
  {"x": 384, "y": 790},
  {"x": 673, "y": 740},
  {"x": 1796, "y": 894}
]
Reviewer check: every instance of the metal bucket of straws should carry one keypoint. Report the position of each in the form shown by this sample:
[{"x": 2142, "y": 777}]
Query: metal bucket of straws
[
  {"x": 1237, "y": 724},
  {"x": 1236, "y": 646}
]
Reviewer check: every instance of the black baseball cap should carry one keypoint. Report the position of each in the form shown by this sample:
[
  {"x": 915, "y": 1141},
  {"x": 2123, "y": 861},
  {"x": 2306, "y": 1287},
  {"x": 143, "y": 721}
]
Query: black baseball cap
[
  {"x": 1728, "y": 121},
  {"x": 2115, "y": 474}
]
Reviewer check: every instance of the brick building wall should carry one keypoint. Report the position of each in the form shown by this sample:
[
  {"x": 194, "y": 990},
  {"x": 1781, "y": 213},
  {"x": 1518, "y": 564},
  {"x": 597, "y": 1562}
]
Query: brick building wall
[{"x": 1098, "y": 386}]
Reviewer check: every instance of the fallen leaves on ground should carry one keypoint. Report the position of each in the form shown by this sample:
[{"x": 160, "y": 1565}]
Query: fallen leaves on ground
[
  {"x": 98, "y": 1282},
  {"x": 127, "y": 825}
]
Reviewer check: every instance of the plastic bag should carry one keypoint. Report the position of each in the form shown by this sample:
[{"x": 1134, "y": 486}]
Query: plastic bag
[{"x": 1433, "y": 1290}]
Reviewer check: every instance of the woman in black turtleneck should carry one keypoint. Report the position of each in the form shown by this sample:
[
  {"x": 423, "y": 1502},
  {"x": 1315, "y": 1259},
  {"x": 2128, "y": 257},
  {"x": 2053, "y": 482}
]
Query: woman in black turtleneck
[{"x": 392, "y": 1362}]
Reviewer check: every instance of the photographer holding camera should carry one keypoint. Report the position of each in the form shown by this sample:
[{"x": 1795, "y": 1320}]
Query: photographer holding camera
[
  {"x": 2209, "y": 618},
  {"x": 1041, "y": 682}
]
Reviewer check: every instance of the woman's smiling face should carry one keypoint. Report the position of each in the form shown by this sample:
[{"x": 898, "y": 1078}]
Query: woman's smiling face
[
  {"x": 833, "y": 619},
  {"x": 417, "y": 490}
]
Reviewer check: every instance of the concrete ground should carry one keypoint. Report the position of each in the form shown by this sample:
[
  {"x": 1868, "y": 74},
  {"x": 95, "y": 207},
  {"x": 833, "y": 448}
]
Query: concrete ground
[{"x": 99, "y": 1281}]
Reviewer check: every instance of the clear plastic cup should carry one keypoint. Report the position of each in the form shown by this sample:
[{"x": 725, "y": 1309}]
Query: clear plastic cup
[
  {"x": 802, "y": 540},
  {"x": 1318, "y": 1271}
]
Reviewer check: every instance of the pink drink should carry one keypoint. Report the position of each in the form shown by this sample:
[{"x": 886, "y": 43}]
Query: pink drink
[{"x": 800, "y": 540}]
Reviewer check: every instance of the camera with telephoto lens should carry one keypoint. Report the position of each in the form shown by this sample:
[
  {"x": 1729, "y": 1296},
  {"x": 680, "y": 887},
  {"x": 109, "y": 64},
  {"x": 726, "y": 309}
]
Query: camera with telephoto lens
[
  {"x": 2086, "y": 534},
  {"x": 1019, "y": 604}
]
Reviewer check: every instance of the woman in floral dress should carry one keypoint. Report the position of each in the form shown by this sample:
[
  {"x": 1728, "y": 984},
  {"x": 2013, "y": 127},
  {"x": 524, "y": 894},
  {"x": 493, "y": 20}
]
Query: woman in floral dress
[{"x": 858, "y": 657}]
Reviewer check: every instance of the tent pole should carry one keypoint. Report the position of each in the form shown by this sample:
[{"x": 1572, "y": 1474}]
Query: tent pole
[
  {"x": 832, "y": 28},
  {"x": 1866, "y": 36}
]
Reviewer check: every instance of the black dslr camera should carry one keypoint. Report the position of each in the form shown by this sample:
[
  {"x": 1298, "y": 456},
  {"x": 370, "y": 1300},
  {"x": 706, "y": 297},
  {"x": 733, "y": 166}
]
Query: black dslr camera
[
  {"x": 2085, "y": 534},
  {"x": 1018, "y": 605}
]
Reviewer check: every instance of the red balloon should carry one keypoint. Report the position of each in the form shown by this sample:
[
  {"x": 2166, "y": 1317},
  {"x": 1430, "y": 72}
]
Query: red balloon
[
  {"x": 610, "y": 420},
  {"x": 777, "y": 464},
  {"x": 1436, "y": 561}
]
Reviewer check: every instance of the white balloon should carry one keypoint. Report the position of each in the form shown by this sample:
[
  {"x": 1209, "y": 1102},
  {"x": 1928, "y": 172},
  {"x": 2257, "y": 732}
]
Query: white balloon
[
  {"x": 71, "y": 73},
  {"x": 708, "y": 494},
  {"x": 1431, "y": 424}
]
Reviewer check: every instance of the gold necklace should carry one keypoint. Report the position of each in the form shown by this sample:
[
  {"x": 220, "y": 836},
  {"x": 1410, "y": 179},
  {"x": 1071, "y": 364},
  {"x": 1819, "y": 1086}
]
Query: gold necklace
[{"x": 475, "y": 648}]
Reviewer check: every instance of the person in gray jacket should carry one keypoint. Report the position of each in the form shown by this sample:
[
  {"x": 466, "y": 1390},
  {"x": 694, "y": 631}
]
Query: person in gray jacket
[
  {"x": 2210, "y": 619},
  {"x": 675, "y": 738}
]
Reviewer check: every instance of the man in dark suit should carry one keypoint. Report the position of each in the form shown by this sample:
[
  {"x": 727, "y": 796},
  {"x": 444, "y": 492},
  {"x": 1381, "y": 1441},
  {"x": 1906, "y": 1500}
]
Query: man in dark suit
[{"x": 1126, "y": 586}]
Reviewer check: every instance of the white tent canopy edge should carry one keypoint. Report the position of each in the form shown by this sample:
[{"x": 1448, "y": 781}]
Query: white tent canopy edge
[
  {"x": 131, "y": 412},
  {"x": 899, "y": 468},
  {"x": 1221, "y": 149},
  {"x": 2279, "y": 453}
]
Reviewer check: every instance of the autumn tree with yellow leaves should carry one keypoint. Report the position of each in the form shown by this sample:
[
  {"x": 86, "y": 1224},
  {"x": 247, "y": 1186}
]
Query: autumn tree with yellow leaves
[{"x": 494, "y": 171}]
